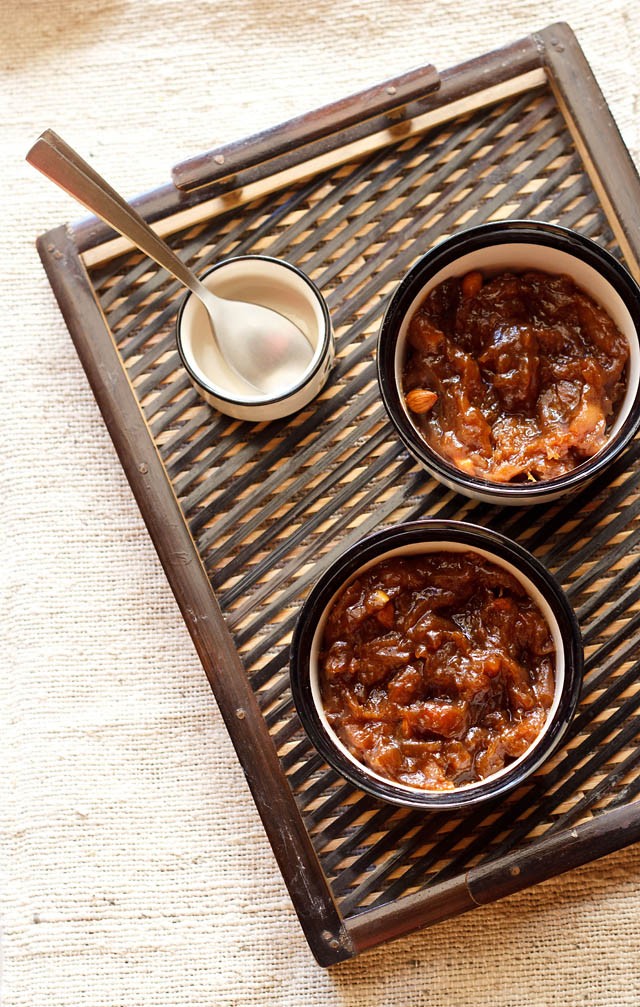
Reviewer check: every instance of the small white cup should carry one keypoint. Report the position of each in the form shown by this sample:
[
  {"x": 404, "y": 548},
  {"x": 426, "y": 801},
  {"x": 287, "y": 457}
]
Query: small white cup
[{"x": 272, "y": 283}]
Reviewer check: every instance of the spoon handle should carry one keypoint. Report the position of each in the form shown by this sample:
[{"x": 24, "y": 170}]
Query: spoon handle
[{"x": 60, "y": 162}]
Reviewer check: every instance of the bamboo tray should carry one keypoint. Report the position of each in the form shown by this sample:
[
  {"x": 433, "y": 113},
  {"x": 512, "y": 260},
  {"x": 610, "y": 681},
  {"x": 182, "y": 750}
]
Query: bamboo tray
[{"x": 245, "y": 517}]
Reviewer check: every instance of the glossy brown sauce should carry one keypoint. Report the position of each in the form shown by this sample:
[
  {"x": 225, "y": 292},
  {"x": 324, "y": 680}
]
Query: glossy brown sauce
[
  {"x": 436, "y": 670},
  {"x": 515, "y": 378}
]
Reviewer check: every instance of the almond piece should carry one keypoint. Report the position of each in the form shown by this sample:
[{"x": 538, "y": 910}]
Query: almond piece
[
  {"x": 472, "y": 283},
  {"x": 420, "y": 400}
]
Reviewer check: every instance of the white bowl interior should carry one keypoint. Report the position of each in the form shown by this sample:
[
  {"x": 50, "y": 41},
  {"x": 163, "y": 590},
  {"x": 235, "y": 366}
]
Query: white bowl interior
[
  {"x": 413, "y": 550},
  {"x": 517, "y": 257},
  {"x": 259, "y": 281}
]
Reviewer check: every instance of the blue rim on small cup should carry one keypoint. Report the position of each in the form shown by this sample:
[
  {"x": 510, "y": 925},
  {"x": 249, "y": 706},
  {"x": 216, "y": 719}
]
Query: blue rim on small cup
[
  {"x": 512, "y": 245},
  {"x": 430, "y": 536},
  {"x": 276, "y": 284}
]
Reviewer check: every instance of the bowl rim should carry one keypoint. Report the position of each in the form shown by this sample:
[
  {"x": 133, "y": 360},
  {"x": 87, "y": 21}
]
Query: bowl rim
[
  {"x": 265, "y": 400},
  {"x": 344, "y": 568},
  {"x": 448, "y": 250}
]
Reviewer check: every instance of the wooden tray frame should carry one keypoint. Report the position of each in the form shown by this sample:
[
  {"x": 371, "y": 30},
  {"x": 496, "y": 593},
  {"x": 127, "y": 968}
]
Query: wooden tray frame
[{"x": 551, "y": 55}]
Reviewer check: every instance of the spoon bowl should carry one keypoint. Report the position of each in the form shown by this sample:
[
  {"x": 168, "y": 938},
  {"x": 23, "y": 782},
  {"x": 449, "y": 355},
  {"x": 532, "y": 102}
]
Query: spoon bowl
[
  {"x": 277, "y": 285},
  {"x": 270, "y": 347}
]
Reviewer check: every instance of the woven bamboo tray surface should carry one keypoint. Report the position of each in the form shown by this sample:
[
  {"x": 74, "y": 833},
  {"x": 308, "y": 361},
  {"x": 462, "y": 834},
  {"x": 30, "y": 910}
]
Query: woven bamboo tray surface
[{"x": 270, "y": 506}]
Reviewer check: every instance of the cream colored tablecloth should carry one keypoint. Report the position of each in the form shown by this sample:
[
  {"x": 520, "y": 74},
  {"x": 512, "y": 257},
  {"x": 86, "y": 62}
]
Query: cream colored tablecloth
[{"x": 135, "y": 870}]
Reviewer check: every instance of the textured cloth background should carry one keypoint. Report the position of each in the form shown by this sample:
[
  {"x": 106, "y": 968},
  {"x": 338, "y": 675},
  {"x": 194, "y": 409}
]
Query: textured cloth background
[{"x": 135, "y": 870}]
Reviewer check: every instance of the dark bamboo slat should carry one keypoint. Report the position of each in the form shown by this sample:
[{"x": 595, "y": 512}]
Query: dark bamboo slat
[
  {"x": 262, "y": 509},
  {"x": 454, "y": 86},
  {"x": 627, "y": 794},
  {"x": 330, "y": 121}
]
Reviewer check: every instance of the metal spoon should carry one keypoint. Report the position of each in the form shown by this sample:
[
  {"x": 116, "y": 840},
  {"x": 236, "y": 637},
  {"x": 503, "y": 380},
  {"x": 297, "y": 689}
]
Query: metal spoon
[{"x": 258, "y": 344}]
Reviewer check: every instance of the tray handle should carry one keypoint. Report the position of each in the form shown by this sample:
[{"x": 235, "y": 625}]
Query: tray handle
[{"x": 329, "y": 122}]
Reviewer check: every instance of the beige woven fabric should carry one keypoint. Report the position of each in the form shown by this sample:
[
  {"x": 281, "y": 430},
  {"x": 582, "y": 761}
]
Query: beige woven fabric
[{"x": 135, "y": 870}]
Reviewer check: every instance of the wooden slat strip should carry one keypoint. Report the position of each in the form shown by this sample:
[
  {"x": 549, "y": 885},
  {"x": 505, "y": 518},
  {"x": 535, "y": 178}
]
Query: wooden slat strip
[
  {"x": 392, "y": 839},
  {"x": 314, "y": 790},
  {"x": 558, "y": 515},
  {"x": 437, "y": 160},
  {"x": 113, "y": 270},
  {"x": 421, "y": 871},
  {"x": 219, "y": 438},
  {"x": 303, "y": 749},
  {"x": 511, "y": 70},
  {"x": 124, "y": 282},
  {"x": 334, "y": 124},
  {"x": 324, "y": 409},
  {"x": 164, "y": 315},
  {"x": 612, "y": 556},
  {"x": 600, "y": 537},
  {"x": 621, "y": 605},
  {"x": 345, "y": 196},
  {"x": 298, "y": 778},
  {"x": 265, "y": 641},
  {"x": 286, "y": 518},
  {"x": 599, "y": 757},
  {"x": 161, "y": 373},
  {"x": 272, "y": 672},
  {"x": 626, "y": 795},
  {"x": 514, "y": 182},
  {"x": 170, "y": 392},
  {"x": 218, "y": 242},
  {"x": 163, "y": 347},
  {"x": 519, "y": 817},
  {"x": 188, "y": 400},
  {"x": 596, "y": 664},
  {"x": 193, "y": 415},
  {"x": 576, "y": 214},
  {"x": 291, "y": 725},
  {"x": 553, "y": 184},
  {"x": 335, "y": 825},
  {"x": 443, "y": 190}
]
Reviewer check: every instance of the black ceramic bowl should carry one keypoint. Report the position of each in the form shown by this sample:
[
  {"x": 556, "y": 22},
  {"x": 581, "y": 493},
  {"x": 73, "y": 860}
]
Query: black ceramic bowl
[
  {"x": 410, "y": 539},
  {"x": 515, "y": 246}
]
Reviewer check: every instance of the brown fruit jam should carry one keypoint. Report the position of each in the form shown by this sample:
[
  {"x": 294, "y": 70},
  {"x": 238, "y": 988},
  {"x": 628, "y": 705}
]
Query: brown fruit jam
[
  {"x": 525, "y": 372},
  {"x": 436, "y": 670}
]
